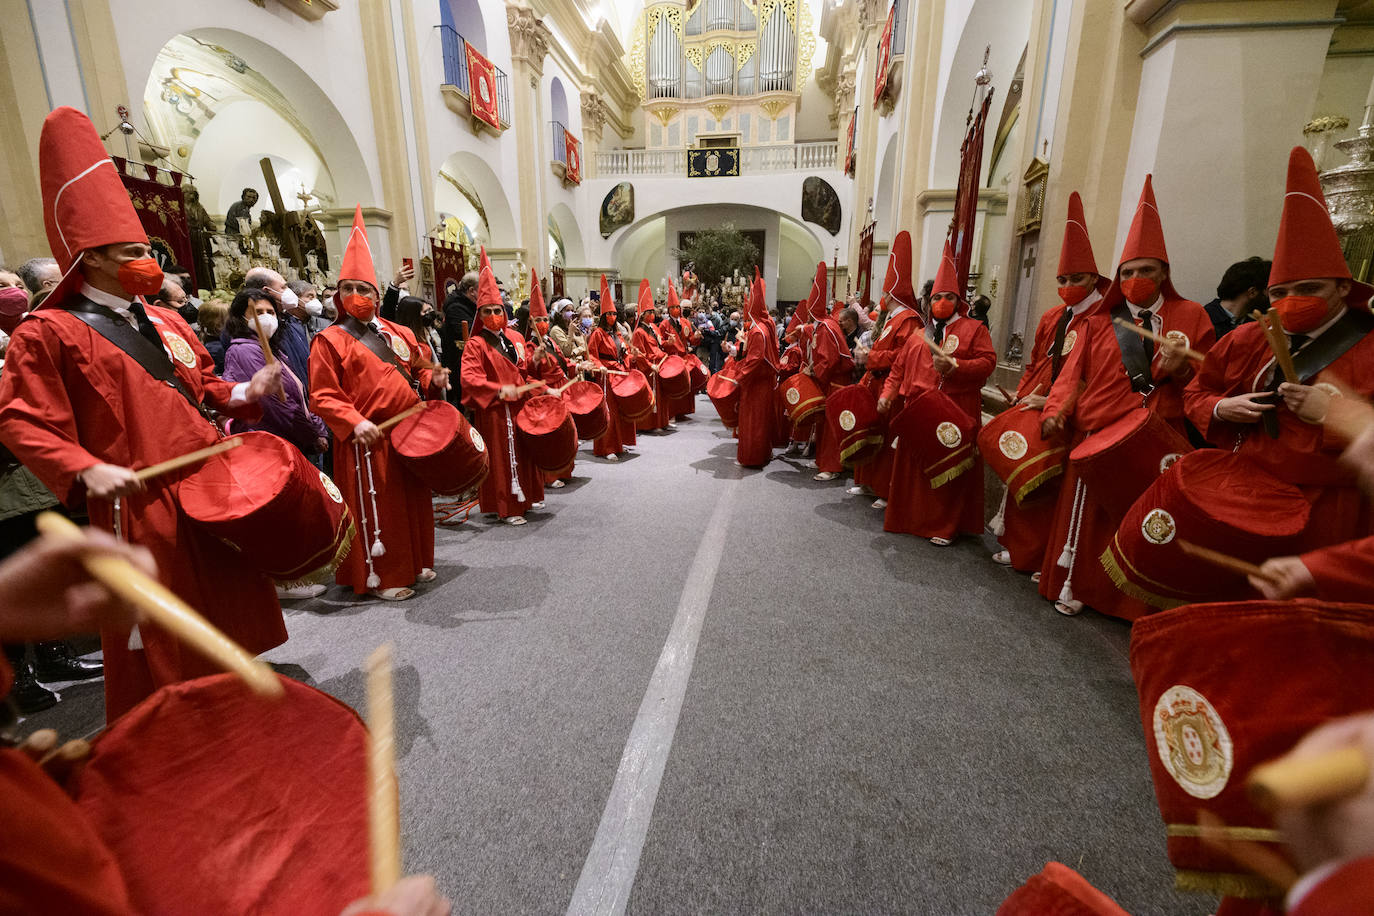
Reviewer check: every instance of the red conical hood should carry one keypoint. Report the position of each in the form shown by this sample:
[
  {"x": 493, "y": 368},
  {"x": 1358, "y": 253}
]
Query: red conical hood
[
  {"x": 1308, "y": 248},
  {"x": 487, "y": 291},
  {"x": 758, "y": 310},
  {"x": 537, "y": 309},
  {"x": 646, "y": 298},
  {"x": 947, "y": 277},
  {"x": 357, "y": 259},
  {"x": 607, "y": 303},
  {"x": 84, "y": 202},
  {"x": 1146, "y": 238},
  {"x": 672, "y": 296},
  {"x": 1076, "y": 255},
  {"x": 897, "y": 283},
  {"x": 815, "y": 300}
]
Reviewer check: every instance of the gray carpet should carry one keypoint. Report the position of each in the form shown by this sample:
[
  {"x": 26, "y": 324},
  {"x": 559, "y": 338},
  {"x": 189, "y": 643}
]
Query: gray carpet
[{"x": 872, "y": 724}]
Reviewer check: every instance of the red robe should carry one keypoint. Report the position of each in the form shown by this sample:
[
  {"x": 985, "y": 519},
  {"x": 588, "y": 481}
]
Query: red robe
[
  {"x": 486, "y": 370},
  {"x": 1096, "y": 360},
  {"x": 757, "y": 376},
  {"x": 1027, "y": 527},
  {"x": 71, "y": 399},
  {"x": 1347, "y": 889},
  {"x": 956, "y": 507},
  {"x": 1303, "y": 454},
  {"x": 349, "y": 384},
  {"x": 1344, "y": 572},
  {"x": 603, "y": 349},
  {"x": 790, "y": 362},
  {"x": 651, "y": 353},
  {"x": 680, "y": 339},
  {"x": 877, "y": 474},
  {"x": 52, "y": 860},
  {"x": 832, "y": 366}
]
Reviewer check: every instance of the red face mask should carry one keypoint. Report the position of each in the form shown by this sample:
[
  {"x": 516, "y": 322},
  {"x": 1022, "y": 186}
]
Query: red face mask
[
  {"x": 675, "y": 312},
  {"x": 649, "y": 317},
  {"x": 1139, "y": 290},
  {"x": 942, "y": 309},
  {"x": 494, "y": 323},
  {"x": 1301, "y": 313},
  {"x": 358, "y": 305},
  {"x": 141, "y": 277},
  {"x": 1072, "y": 295},
  {"x": 14, "y": 302}
]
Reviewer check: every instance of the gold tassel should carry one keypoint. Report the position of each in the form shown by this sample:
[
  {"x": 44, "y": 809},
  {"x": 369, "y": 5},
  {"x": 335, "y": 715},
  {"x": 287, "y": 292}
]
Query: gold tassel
[
  {"x": 1124, "y": 584},
  {"x": 951, "y": 474},
  {"x": 1225, "y": 884}
]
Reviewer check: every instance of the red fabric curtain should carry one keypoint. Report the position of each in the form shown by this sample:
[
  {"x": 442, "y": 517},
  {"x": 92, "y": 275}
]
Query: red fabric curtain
[
  {"x": 162, "y": 211},
  {"x": 966, "y": 196},
  {"x": 849, "y": 145},
  {"x": 574, "y": 172}
]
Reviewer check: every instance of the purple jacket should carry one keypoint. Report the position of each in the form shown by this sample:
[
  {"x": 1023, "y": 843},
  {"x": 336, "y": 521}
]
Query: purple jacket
[{"x": 289, "y": 419}]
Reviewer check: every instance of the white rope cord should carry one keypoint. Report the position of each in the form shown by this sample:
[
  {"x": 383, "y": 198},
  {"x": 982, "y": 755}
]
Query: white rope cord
[
  {"x": 373, "y": 580},
  {"x": 135, "y": 636},
  {"x": 1070, "y": 555},
  {"x": 514, "y": 471},
  {"x": 378, "y": 548},
  {"x": 998, "y": 525}
]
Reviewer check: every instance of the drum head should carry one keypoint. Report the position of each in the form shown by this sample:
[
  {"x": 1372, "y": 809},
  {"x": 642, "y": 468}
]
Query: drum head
[
  {"x": 584, "y": 397},
  {"x": 541, "y": 415},
  {"x": 627, "y": 386},
  {"x": 671, "y": 367},
  {"x": 236, "y": 483},
  {"x": 427, "y": 432},
  {"x": 1111, "y": 435}
]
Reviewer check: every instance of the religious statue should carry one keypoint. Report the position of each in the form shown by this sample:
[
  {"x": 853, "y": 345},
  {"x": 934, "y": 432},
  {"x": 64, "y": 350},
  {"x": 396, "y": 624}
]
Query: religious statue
[
  {"x": 202, "y": 228},
  {"x": 242, "y": 209}
]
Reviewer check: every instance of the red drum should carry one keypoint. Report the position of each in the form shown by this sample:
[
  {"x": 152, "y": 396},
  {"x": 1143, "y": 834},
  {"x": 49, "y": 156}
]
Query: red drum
[
  {"x": 549, "y": 433},
  {"x": 633, "y": 395},
  {"x": 1214, "y": 499},
  {"x": 1012, "y": 447},
  {"x": 723, "y": 390},
  {"x": 175, "y": 789},
  {"x": 673, "y": 379},
  {"x": 1226, "y": 687},
  {"x": 1120, "y": 460},
  {"x": 268, "y": 502},
  {"x": 587, "y": 404},
  {"x": 696, "y": 372},
  {"x": 941, "y": 434},
  {"x": 440, "y": 447},
  {"x": 852, "y": 413},
  {"x": 802, "y": 399}
]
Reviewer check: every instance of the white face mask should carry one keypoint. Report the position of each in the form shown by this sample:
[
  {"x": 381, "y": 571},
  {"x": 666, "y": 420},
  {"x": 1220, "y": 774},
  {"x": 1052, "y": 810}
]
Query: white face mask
[
  {"x": 268, "y": 323},
  {"x": 289, "y": 298},
  {"x": 314, "y": 308}
]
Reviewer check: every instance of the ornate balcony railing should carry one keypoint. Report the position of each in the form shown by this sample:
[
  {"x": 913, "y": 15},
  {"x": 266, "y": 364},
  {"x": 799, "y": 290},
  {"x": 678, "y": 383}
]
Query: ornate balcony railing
[
  {"x": 755, "y": 160},
  {"x": 456, "y": 72}
]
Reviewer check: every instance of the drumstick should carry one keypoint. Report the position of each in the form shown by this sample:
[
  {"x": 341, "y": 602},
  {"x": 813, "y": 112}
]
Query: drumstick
[
  {"x": 383, "y": 818},
  {"x": 530, "y": 387},
  {"x": 165, "y": 609},
  {"x": 181, "y": 461},
  {"x": 1225, "y": 561},
  {"x": 934, "y": 347},
  {"x": 267, "y": 353},
  {"x": 1010, "y": 398},
  {"x": 463, "y": 331},
  {"x": 1278, "y": 342},
  {"x": 1303, "y": 781},
  {"x": 1151, "y": 335},
  {"x": 1264, "y": 862},
  {"x": 392, "y": 421}
]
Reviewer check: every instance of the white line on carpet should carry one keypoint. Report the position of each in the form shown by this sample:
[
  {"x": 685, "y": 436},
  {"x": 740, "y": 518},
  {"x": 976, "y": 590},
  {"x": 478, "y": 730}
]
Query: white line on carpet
[{"x": 604, "y": 886}]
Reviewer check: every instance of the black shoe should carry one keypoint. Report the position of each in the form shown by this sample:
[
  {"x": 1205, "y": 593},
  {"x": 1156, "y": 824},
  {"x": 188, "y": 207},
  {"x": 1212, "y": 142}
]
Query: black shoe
[
  {"x": 54, "y": 661},
  {"x": 28, "y": 695}
]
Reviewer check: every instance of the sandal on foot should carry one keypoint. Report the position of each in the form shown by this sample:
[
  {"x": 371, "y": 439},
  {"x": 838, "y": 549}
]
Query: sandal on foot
[
  {"x": 392, "y": 594},
  {"x": 426, "y": 575},
  {"x": 514, "y": 520}
]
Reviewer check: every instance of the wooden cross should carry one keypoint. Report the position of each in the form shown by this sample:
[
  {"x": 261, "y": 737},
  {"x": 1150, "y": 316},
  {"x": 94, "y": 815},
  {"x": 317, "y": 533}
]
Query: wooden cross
[{"x": 1029, "y": 262}]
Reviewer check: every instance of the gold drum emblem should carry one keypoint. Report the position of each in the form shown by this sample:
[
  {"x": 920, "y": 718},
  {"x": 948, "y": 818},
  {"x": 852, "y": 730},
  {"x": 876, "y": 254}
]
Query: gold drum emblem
[
  {"x": 1012, "y": 444},
  {"x": 948, "y": 434},
  {"x": 1158, "y": 527},
  {"x": 847, "y": 420},
  {"x": 1192, "y": 742},
  {"x": 331, "y": 488},
  {"x": 476, "y": 438}
]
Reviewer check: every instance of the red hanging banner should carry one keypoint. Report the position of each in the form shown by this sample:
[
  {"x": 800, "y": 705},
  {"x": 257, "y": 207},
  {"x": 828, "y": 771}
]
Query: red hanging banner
[
  {"x": 574, "y": 169},
  {"x": 162, "y": 211},
  {"x": 884, "y": 57},
  {"x": 449, "y": 266},
  {"x": 849, "y": 146},
  {"x": 865, "y": 284},
  {"x": 482, "y": 87},
  {"x": 966, "y": 195}
]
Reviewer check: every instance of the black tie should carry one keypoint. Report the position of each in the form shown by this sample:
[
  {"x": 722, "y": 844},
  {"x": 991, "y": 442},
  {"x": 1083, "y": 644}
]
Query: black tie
[
  {"x": 1269, "y": 419},
  {"x": 1146, "y": 322},
  {"x": 145, "y": 325},
  {"x": 1060, "y": 331},
  {"x": 939, "y": 331}
]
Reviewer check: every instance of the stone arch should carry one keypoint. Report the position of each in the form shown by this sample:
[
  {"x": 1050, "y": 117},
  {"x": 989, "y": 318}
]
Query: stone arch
[
  {"x": 558, "y": 103},
  {"x": 466, "y": 180},
  {"x": 465, "y": 18},
  {"x": 266, "y": 84},
  {"x": 574, "y": 250},
  {"x": 885, "y": 192}
]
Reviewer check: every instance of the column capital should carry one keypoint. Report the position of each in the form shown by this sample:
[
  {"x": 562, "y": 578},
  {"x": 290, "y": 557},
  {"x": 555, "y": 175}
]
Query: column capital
[
  {"x": 595, "y": 112},
  {"x": 529, "y": 37}
]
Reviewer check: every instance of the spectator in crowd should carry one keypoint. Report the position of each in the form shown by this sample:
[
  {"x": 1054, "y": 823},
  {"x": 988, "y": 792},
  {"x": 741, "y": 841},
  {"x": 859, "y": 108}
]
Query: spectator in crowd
[
  {"x": 295, "y": 342},
  {"x": 398, "y": 287},
  {"x": 286, "y": 417},
  {"x": 1242, "y": 290},
  {"x": 190, "y": 302},
  {"x": 310, "y": 308},
  {"x": 731, "y": 334},
  {"x": 173, "y": 296},
  {"x": 522, "y": 320},
  {"x": 711, "y": 337},
  {"x": 211, "y": 319},
  {"x": 423, "y": 320},
  {"x": 40, "y": 275},
  {"x": 979, "y": 310},
  {"x": 14, "y": 305},
  {"x": 460, "y": 308},
  {"x": 849, "y": 323},
  {"x": 586, "y": 319},
  {"x": 569, "y": 341}
]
